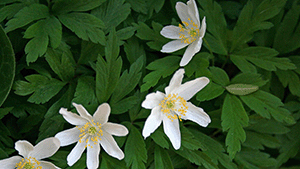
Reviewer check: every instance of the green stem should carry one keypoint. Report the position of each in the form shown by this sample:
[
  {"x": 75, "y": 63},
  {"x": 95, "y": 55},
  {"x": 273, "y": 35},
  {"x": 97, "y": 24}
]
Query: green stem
[{"x": 209, "y": 48}]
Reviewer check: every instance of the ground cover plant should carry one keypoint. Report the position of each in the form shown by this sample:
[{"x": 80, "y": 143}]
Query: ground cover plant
[{"x": 149, "y": 84}]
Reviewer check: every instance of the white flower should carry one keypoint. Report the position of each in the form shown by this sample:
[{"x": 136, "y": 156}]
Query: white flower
[
  {"x": 189, "y": 33},
  {"x": 32, "y": 155},
  {"x": 90, "y": 131},
  {"x": 173, "y": 106}
]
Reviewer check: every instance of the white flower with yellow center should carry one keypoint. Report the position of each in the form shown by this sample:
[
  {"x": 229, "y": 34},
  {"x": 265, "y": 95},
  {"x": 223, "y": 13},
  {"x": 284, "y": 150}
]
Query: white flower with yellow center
[
  {"x": 32, "y": 155},
  {"x": 171, "y": 107},
  {"x": 189, "y": 33},
  {"x": 90, "y": 132}
]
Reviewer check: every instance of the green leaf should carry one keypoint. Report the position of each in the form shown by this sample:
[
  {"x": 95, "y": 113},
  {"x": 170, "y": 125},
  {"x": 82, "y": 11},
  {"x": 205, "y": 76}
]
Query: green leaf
[
  {"x": 139, "y": 6},
  {"x": 219, "y": 76},
  {"x": 108, "y": 72},
  {"x": 290, "y": 145},
  {"x": 41, "y": 33},
  {"x": 249, "y": 78},
  {"x": 252, "y": 158},
  {"x": 7, "y": 66},
  {"x": 126, "y": 33},
  {"x": 42, "y": 87},
  {"x": 258, "y": 141},
  {"x": 4, "y": 111},
  {"x": 27, "y": 15},
  {"x": 253, "y": 19},
  {"x": 216, "y": 34},
  {"x": 8, "y": 11},
  {"x": 291, "y": 79},
  {"x": 189, "y": 141},
  {"x": 197, "y": 157},
  {"x": 123, "y": 105},
  {"x": 89, "y": 52},
  {"x": 134, "y": 49},
  {"x": 65, "y": 6},
  {"x": 234, "y": 118},
  {"x": 5, "y": 135},
  {"x": 266, "y": 126},
  {"x": 144, "y": 32},
  {"x": 112, "y": 12},
  {"x": 161, "y": 68},
  {"x": 162, "y": 158},
  {"x": 264, "y": 58},
  {"x": 241, "y": 89},
  {"x": 209, "y": 92},
  {"x": 214, "y": 149},
  {"x": 135, "y": 149},
  {"x": 128, "y": 81},
  {"x": 160, "y": 138},
  {"x": 243, "y": 64},
  {"x": 288, "y": 33},
  {"x": 109, "y": 162},
  {"x": 61, "y": 62},
  {"x": 85, "y": 26},
  {"x": 266, "y": 104},
  {"x": 198, "y": 65},
  {"x": 85, "y": 91}
]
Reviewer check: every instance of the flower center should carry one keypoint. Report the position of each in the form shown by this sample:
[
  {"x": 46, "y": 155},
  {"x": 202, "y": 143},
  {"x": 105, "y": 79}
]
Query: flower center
[
  {"x": 90, "y": 131},
  {"x": 28, "y": 163},
  {"x": 174, "y": 106},
  {"x": 190, "y": 31}
]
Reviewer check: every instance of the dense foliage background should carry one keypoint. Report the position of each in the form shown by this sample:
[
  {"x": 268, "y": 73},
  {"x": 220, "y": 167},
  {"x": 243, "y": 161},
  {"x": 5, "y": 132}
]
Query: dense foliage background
[{"x": 55, "y": 52}]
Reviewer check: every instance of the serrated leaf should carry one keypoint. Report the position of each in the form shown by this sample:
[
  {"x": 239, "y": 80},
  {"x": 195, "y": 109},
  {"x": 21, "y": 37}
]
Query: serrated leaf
[
  {"x": 288, "y": 33},
  {"x": 249, "y": 78},
  {"x": 8, "y": 11},
  {"x": 217, "y": 31},
  {"x": 41, "y": 33},
  {"x": 209, "y": 92},
  {"x": 197, "y": 157},
  {"x": 258, "y": 141},
  {"x": 266, "y": 104},
  {"x": 42, "y": 88},
  {"x": 253, "y": 19},
  {"x": 161, "y": 68},
  {"x": 135, "y": 149},
  {"x": 234, "y": 118},
  {"x": 112, "y": 12},
  {"x": 5, "y": 135},
  {"x": 198, "y": 65},
  {"x": 126, "y": 33},
  {"x": 109, "y": 162},
  {"x": 291, "y": 79},
  {"x": 85, "y": 91},
  {"x": 128, "y": 81},
  {"x": 61, "y": 62},
  {"x": 85, "y": 26},
  {"x": 243, "y": 64},
  {"x": 65, "y": 6},
  {"x": 4, "y": 111},
  {"x": 108, "y": 72},
  {"x": 160, "y": 138},
  {"x": 144, "y": 32},
  {"x": 264, "y": 58},
  {"x": 7, "y": 66},
  {"x": 139, "y": 6},
  {"x": 219, "y": 76},
  {"x": 252, "y": 158},
  {"x": 26, "y": 15},
  {"x": 89, "y": 52},
  {"x": 266, "y": 126},
  {"x": 241, "y": 89},
  {"x": 189, "y": 141},
  {"x": 123, "y": 105},
  {"x": 134, "y": 49},
  {"x": 162, "y": 158}
]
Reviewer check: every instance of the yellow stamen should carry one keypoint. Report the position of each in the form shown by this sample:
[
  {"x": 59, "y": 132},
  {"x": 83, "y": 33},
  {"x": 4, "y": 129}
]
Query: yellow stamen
[
  {"x": 90, "y": 131},
  {"x": 173, "y": 105},
  {"x": 191, "y": 29},
  {"x": 28, "y": 163}
]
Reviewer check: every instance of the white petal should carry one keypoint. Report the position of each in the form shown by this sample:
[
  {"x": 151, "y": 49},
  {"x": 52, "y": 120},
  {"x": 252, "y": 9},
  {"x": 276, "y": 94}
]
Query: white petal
[
  {"x": 92, "y": 158},
  {"x": 110, "y": 146},
  {"x": 10, "y": 162},
  {"x": 153, "y": 121},
  {"x": 191, "y": 50},
  {"x": 76, "y": 153},
  {"x": 82, "y": 111},
  {"x": 182, "y": 11},
  {"x": 68, "y": 137},
  {"x": 45, "y": 148},
  {"x": 173, "y": 46},
  {"x": 171, "y": 32},
  {"x": 23, "y": 147},
  {"x": 102, "y": 113},
  {"x": 190, "y": 88},
  {"x": 197, "y": 115},
  {"x": 175, "y": 81},
  {"x": 115, "y": 129},
  {"x": 47, "y": 165},
  {"x": 193, "y": 11},
  {"x": 153, "y": 99},
  {"x": 73, "y": 118},
  {"x": 172, "y": 130},
  {"x": 203, "y": 28}
]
